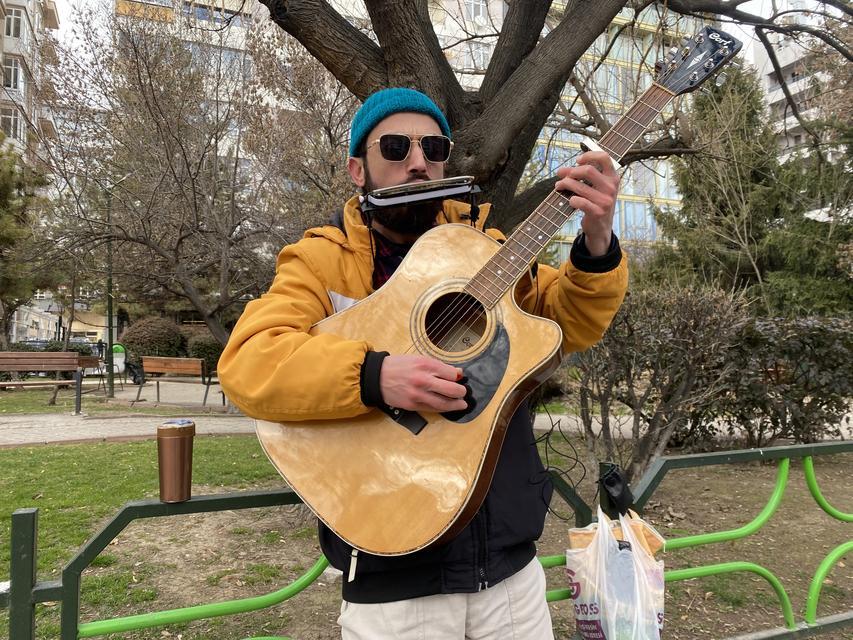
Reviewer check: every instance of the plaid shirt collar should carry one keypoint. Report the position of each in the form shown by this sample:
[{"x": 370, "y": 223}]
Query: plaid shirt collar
[{"x": 387, "y": 257}]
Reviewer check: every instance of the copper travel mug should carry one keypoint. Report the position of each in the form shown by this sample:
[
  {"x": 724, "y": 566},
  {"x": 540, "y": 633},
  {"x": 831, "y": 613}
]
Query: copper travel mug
[{"x": 175, "y": 458}]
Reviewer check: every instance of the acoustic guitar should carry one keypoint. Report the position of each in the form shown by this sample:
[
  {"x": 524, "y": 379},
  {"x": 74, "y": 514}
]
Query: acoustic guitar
[{"x": 391, "y": 482}]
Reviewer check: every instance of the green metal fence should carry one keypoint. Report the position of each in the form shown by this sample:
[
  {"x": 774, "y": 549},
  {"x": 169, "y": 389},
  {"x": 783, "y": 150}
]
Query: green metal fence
[{"x": 26, "y": 591}]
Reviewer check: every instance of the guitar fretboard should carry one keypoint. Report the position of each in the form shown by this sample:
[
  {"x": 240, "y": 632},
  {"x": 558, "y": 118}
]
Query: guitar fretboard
[{"x": 504, "y": 269}]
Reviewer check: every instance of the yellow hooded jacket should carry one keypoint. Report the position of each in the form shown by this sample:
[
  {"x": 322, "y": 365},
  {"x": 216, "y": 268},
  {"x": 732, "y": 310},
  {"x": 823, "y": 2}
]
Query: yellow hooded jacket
[{"x": 272, "y": 369}]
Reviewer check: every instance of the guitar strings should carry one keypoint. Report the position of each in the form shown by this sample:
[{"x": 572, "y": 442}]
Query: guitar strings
[
  {"x": 455, "y": 313},
  {"x": 452, "y": 319}
]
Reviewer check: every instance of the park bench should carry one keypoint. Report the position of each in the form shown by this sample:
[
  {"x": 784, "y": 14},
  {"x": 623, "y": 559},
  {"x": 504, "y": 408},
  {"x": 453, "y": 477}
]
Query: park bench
[
  {"x": 98, "y": 367},
  {"x": 46, "y": 361},
  {"x": 176, "y": 370},
  {"x": 90, "y": 362}
]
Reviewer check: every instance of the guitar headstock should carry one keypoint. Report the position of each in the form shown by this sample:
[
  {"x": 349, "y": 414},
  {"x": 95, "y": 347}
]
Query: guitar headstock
[{"x": 698, "y": 57}]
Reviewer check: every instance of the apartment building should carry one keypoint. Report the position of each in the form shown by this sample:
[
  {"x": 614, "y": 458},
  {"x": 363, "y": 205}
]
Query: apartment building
[
  {"x": 803, "y": 69},
  {"x": 804, "y": 80},
  {"x": 38, "y": 320},
  {"x": 209, "y": 15},
  {"x": 23, "y": 120},
  {"x": 214, "y": 34},
  {"x": 614, "y": 72}
]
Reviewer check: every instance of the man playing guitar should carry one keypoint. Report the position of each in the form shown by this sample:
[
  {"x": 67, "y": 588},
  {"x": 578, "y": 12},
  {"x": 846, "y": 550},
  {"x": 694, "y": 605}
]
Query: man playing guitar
[{"x": 485, "y": 582}]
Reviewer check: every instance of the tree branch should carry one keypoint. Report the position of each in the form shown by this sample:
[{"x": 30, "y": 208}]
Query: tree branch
[
  {"x": 590, "y": 106},
  {"x": 413, "y": 53},
  {"x": 350, "y": 55},
  {"x": 730, "y": 10},
  {"x": 519, "y": 34},
  {"x": 842, "y": 5},
  {"x": 539, "y": 78}
]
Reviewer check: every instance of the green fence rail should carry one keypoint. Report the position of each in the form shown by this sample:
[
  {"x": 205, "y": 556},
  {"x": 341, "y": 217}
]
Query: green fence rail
[{"x": 25, "y": 591}]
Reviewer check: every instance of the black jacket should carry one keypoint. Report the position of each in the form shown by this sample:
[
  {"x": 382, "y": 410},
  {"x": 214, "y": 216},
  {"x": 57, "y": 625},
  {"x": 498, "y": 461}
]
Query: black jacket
[{"x": 498, "y": 542}]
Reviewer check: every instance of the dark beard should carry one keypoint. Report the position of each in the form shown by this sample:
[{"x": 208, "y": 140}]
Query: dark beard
[
  {"x": 410, "y": 219},
  {"x": 413, "y": 219}
]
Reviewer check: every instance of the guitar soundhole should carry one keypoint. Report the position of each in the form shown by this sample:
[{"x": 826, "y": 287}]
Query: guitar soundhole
[{"x": 455, "y": 322}]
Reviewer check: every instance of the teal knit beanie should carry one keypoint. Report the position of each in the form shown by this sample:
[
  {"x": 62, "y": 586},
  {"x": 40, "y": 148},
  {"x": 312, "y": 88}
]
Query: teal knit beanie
[{"x": 386, "y": 102}]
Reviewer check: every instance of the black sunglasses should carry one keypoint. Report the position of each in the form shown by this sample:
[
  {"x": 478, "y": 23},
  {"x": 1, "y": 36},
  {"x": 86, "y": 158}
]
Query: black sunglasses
[{"x": 395, "y": 147}]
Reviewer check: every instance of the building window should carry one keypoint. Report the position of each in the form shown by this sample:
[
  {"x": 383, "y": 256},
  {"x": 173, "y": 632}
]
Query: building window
[
  {"x": 11, "y": 73},
  {"x": 643, "y": 180},
  {"x": 219, "y": 15},
  {"x": 10, "y": 122},
  {"x": 475, "y": 56},
  {"x": 476, "y": 9},
  {"x": 39, "y": 295},
  {"x": 13, "y": 23}
]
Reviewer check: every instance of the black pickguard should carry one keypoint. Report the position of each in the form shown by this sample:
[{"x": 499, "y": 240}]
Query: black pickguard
[{"x": 483, "y": 375}]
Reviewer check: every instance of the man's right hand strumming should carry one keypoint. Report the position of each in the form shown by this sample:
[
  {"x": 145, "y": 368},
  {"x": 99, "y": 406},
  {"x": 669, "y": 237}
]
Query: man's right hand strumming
[{"x": 421, "y": 383}]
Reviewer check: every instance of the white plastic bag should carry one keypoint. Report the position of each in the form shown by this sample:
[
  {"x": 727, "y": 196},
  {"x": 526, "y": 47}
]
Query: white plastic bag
[{"x": 617, "y": 587}]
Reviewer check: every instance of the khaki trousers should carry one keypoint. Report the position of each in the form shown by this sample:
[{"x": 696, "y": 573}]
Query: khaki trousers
[{"x": 514, "y": 609}]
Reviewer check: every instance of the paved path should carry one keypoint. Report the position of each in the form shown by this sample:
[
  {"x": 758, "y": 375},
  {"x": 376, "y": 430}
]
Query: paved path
[
  {"x": 45, "y": 428},
  {"x": 19, "y": 430},
  {"x": 16, "y": 430}
]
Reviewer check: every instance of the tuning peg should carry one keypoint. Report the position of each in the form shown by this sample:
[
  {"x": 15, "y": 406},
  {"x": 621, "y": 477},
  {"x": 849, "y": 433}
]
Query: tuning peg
[
  {"x": 721, "y": 78},
  {"x": 659, "y": 65}
]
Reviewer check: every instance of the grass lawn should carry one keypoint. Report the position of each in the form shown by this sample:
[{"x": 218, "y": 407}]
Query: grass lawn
[
  {"x": 75, "y": 487},
  {"x": 163, "y": 563},
  {"x": 32, "y": 401}
]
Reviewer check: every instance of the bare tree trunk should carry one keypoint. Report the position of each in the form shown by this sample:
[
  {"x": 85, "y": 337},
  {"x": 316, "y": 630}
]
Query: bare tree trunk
[
  {"x": 584, "y": 401},
  {"x": 5, "y": 326},
  {"x": 67, "y": 340}
]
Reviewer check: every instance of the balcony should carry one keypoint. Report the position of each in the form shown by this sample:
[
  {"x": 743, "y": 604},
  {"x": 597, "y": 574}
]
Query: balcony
[
  {"x": 156, "y": 10},
  {"x": 51, "y": 15},
  {"x": 47, "y": 127}
]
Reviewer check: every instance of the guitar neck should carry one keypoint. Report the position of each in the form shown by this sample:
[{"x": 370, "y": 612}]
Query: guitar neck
[{"x": 528, "y": 240}]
